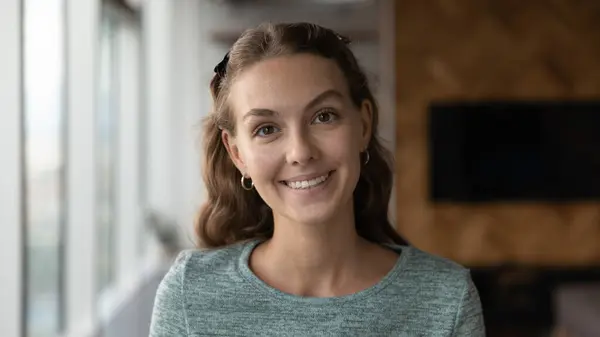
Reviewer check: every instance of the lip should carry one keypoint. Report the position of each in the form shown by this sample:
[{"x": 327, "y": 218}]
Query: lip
[{"x": 307, "y": 177}]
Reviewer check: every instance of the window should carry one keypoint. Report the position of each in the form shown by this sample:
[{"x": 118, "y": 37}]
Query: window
[
  {"x": 106, "y": 150},
  {"x": 44, "y": 107}
]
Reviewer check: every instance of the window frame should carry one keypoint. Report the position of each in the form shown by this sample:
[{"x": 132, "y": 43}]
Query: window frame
[{"x": 11, "y": 180}]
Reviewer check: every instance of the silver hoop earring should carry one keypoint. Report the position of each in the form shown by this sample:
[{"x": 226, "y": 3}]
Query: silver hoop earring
[
  {"x": 245, "y": 183},
  {"x": 367, "y": 157}
]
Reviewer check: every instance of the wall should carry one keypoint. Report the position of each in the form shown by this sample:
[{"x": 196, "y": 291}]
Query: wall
[{"x": 501, "y": 49}]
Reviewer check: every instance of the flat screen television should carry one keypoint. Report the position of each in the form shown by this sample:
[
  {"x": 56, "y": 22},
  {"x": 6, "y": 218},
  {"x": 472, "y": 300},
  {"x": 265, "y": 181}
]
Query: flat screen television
[{"x": 541, "y": 151}]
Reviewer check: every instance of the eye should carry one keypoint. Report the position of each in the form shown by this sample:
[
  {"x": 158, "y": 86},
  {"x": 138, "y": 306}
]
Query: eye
[
  {"x": 265, "y": 131},
  {"x": 326, "y": 116}
]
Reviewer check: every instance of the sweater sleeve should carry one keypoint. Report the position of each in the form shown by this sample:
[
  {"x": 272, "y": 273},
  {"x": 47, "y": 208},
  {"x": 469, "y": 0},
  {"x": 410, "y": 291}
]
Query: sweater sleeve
[
  {"x": 469, "y": 317},
  {"x": 168, "y": 315}
]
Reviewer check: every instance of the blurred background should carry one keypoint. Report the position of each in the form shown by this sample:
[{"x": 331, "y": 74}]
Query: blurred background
[{"x": 491, "y": 107}]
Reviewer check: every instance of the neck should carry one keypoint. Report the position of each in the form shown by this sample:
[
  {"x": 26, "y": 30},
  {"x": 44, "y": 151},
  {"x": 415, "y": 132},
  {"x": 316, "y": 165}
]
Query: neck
[
  {"x": 311, "y": 259},
  {"x": 315, "y": 249}
]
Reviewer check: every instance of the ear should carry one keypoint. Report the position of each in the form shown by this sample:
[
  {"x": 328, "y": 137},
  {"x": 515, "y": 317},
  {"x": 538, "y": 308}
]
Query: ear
[
  {"x": 233, "y": 150},
  {"x": 366, "y": 114}
]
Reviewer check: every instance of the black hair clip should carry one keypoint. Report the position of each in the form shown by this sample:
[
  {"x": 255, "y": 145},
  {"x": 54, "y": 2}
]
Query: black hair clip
[
  {"x": 222, "y": 66},
  {"x": 342, "y": 38}
]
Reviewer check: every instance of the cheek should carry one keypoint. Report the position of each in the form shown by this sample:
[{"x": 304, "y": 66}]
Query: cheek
[
  {"x": 341, "y": 151},
  {"x": 261, "y": 164},
  {"x": 338, "y": 151},
  {"x": 345, "y": 142}
]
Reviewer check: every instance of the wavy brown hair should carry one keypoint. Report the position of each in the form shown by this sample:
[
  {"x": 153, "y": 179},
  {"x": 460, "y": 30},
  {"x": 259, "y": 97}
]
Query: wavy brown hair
[{"x": 232, "y": 214}]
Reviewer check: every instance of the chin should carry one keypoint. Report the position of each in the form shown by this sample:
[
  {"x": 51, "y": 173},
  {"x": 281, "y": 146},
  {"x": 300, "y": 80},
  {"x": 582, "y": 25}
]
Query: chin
[
  {"x": 312, "y": 215},
  {"x": 319, "y": 212}
]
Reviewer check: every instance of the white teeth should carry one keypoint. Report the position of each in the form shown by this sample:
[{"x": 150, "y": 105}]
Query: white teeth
[{"x": 304, "y": 184}]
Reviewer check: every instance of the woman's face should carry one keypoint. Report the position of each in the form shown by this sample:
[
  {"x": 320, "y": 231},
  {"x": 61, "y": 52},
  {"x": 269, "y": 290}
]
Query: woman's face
[{"x": 298, "y": 136}]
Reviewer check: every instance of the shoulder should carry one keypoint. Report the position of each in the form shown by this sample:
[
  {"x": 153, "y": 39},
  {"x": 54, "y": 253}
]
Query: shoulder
[
  {"x": 198, "y": 267},
  {"x": 191, "y": 285},
  {"x": 193, "y": 274},
  {"x": 426, "y": 275},
  {"x": 428, "y": 284},
  {"x": 446, "y": 286},
  {"x": 424, "y": 266}
]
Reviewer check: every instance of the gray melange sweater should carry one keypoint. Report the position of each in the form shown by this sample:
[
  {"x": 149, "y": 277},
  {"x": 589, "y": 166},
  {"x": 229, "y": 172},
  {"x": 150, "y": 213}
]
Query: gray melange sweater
[{"x": 214, "y": 293}]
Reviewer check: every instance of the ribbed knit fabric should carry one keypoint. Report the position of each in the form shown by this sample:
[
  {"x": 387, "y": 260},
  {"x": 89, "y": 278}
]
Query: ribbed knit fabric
[{"x": 214, "y": 293}]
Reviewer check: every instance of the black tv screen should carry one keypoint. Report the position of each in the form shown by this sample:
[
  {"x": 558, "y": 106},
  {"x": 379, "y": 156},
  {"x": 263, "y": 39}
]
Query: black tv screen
[{"x": 514, "y": 151}]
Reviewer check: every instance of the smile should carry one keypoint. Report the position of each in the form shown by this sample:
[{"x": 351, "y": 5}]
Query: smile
[{"x": 306, "y": 184}]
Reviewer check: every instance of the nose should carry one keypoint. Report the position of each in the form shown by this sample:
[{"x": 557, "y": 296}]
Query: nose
[{"x": 301, "y": 148}]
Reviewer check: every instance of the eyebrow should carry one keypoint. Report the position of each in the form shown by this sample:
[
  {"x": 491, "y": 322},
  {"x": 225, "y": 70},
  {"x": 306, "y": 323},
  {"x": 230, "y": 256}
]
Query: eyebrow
[
  {"x": 259, "y": 113},
  {"x": 314, "y": 102},
  {"x": 322, "y": 97}
]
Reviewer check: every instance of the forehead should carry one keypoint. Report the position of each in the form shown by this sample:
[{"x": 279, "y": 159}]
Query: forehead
[{"x": 285, "y": 83}]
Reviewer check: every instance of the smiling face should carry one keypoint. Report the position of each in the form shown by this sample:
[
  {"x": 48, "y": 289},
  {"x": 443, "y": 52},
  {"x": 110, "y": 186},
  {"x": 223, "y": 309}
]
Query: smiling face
[{"x": 298, "y": 136}]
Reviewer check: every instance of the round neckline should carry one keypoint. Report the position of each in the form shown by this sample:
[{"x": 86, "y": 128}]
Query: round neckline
[{"x": 251, "y": 277}]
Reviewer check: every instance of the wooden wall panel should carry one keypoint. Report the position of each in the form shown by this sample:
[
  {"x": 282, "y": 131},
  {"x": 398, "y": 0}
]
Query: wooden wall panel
[{"x": 492, "y": 49}]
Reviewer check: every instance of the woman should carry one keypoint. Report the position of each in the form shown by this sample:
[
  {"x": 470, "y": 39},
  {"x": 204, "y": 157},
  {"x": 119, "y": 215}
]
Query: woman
[{"x": 296, "y": 234}]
